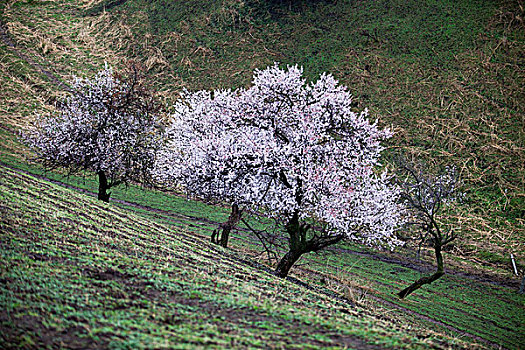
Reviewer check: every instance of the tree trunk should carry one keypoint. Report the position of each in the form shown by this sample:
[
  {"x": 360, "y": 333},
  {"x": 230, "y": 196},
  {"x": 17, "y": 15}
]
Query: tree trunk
[
  {"x": 225, "y": 228},
  {"x": 103, "y": 186},
  {"x": 287, "y": 262},
  {"x": 427, "y": 279},
  {"x": 297, "y": 246},
  {"x": 299, "y": 243}
]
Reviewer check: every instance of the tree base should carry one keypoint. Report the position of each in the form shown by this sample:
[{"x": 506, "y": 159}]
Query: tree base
[
  {"x": 103, "y": 187},
  {"x": 225, "y": 228}
]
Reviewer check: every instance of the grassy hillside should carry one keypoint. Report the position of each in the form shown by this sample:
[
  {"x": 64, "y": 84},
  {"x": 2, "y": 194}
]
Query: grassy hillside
[
  {"x": 464, "y": 303},
  {"x": 78, "y": 273},
  {"x": 448, "y": 76}
]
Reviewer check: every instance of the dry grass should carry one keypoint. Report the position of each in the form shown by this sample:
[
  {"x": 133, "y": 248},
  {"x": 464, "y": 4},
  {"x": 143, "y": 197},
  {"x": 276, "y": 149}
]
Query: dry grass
[{"x": 21, "y": 93}]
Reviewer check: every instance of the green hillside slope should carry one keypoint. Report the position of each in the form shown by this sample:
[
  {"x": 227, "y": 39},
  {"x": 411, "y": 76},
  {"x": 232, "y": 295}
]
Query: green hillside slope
[
  {"x": 447, "y": 76},
  {"x": 80, "y": 274}
]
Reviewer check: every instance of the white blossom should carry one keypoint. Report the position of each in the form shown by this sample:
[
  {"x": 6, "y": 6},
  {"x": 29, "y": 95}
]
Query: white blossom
[
  {"x": 285, "y": 146},
  {"x": 106, "y": 125}
]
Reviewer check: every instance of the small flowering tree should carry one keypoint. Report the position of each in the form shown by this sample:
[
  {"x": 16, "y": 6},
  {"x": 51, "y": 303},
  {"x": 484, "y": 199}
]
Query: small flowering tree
[
  {"x": 425, "y": 196},
  {"x": 109, "y": 126},
  {"x": 291, "y": 149}
]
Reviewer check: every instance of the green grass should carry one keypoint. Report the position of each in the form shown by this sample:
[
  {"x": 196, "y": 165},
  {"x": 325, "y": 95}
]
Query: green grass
[
  {"x": 447, "y": 75},
  {"x": 486, "y": 310},
  {"x": 88, "y": 274}
]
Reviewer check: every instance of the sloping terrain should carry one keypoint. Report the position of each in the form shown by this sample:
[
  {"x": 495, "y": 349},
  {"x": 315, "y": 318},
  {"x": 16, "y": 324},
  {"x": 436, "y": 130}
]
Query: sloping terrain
[
  {"x": 448, "y": 75},
  {"x": 483, "y": 307},
  {"x": 80, "y": 274}
]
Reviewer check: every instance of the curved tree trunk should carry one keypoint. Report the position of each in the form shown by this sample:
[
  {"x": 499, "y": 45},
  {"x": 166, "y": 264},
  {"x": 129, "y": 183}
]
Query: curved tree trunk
[
  {"x": 299, "y": 244},
  {"x": 225, "y": 228},
  {"x": 103, "y": 186},
  {"x": 427, "y": 279},
  {"x": 287, "y": 262}
]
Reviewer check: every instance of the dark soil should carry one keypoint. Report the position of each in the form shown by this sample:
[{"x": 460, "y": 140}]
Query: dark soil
[{"x": 14, "y": 332}]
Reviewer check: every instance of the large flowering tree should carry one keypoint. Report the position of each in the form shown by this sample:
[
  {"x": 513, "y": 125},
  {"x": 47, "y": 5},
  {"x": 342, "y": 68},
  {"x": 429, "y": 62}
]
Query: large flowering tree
[
  {"x": 292, "y": 149},
  {"x": 109, "y": 125}
]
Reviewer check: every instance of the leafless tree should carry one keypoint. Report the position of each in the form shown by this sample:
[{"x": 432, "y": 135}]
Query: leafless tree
[{"x": 425, "y": 195}]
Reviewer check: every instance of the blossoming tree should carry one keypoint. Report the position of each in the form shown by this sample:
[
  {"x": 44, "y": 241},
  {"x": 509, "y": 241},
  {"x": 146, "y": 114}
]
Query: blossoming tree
[
  {"x": 109, "y": 126},
  {"x": 292, "y": 149}
]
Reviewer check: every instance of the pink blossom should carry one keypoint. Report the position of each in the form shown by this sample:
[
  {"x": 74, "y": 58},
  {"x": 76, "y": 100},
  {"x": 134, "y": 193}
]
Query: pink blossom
[{"x": 285, "y": 146}]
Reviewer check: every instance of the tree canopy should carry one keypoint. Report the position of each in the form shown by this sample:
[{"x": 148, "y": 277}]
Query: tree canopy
[
  {"x": 294, "y": 150},
  {"x": 109, "y": 125}
]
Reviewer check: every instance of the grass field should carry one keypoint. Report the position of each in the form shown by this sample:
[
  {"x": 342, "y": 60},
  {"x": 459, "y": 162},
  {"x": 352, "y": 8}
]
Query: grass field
[
  {"x": 79, "y": 273},
  {"x": 462, "y": 304},
  {"x": 448, "y": 76}
]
